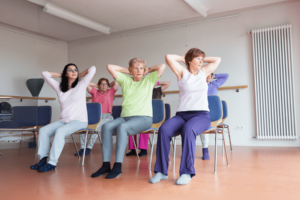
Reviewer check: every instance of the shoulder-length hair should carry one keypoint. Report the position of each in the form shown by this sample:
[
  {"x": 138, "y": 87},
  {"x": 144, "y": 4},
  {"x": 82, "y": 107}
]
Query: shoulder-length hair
[
  {"x": 64, "y": 84},
  {"x": 191, "y": 54}
]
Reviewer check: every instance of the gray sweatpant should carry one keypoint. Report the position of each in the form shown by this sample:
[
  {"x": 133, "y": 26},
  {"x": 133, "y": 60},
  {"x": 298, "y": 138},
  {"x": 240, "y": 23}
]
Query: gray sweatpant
[
  {"x": 122, "y": 127},
  {"x": 106, "y": 117}
]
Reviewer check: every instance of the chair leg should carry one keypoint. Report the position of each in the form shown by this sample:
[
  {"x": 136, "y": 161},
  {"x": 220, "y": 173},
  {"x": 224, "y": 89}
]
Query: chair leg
[
  {"x": 86, "y": 134},
  {"x": 229, "y": 137},
  {"x": 100, "y": 140},
  {"x": 20, "y": 143},
  {"x": 75, "y": 146},
  {"x": 136, "y": 150},
  {"x": 150, "y": 141},
  {"x": 153, "y": 137},
  {"x": 222, "y": 144},
  {"x": 215, "y": 166},
  {"x": 174, "y": 148},
  {"x": 225, "y": 148}
]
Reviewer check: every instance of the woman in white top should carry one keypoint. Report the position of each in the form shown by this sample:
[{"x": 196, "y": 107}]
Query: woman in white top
[
  {"x": 71, "y": 95},
  {"x": 192, "y": 117}
]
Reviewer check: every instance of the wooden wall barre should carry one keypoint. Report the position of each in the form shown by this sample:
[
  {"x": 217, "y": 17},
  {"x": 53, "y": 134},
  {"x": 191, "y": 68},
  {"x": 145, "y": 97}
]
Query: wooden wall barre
[
  {"x": 177, "y": 91},
  {"x": 24, "y": 97}
]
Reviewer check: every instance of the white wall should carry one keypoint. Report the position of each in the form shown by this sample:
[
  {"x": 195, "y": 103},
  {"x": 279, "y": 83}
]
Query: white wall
[
  {"x": 226, "y": 38},
  {"x": 24, "y": 55}
]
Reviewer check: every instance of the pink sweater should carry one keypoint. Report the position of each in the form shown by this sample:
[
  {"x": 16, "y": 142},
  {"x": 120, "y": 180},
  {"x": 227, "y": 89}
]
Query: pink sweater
[
  {"x": 106, "y": 99},
  {"x": 72, "y": 102}
]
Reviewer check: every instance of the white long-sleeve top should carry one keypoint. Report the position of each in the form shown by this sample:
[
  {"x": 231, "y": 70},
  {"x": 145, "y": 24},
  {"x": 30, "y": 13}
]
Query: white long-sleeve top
[{"x": 72, "y": 102}]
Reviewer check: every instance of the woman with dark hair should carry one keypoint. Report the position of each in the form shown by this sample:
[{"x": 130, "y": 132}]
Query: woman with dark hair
[
  {"x": 143, "y": 139},
  {"x": 192, "y": 117},
  {"x": 104, "y": 94},
  {"x": 136, "y": 113},
  {"x": 72, "y": 98}
]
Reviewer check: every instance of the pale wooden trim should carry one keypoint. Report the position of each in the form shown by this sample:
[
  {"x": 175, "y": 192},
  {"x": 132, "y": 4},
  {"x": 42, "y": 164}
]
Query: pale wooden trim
[
  {"x": 177, "y": 91},
  {"x": 24, "y": 97}
]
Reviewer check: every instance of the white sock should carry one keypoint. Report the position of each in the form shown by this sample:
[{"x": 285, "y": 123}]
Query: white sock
[
  {"x": 158, "y": 176},
  {"x": 184, "y": 179}
]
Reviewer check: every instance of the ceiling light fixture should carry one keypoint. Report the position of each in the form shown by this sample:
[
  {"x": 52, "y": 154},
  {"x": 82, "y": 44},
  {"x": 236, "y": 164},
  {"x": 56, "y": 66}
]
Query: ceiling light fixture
[
  {"x": 201, "y": 6},
  {"x": 58, "y": 11},
  {"x": 73, "y": 17}
]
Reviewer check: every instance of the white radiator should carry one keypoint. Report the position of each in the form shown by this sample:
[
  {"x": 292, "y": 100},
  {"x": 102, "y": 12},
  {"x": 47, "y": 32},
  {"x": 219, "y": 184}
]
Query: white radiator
[{"x": 274, "y": 83}]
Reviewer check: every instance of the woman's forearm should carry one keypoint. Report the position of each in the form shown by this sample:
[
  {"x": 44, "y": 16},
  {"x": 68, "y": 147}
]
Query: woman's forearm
[
  {"x": 84, "y": 73},
  {"x": 55, "y": 74},
  {"x": 91, "y": 84},
  {"x": 211, "y": 59}
]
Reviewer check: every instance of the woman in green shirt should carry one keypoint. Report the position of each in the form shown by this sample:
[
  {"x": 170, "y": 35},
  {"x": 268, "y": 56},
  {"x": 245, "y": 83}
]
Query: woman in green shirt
[{"x": 136, "y": 113}]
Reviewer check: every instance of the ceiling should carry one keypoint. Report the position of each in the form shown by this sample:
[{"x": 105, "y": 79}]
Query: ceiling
[{"x": 120, "y": 15}]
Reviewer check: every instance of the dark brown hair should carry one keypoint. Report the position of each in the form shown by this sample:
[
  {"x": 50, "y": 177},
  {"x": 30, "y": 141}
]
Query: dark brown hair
[
  {"x": 64, "y": 84},
  {"x": 103, "y": 79},
  {"x": 191, "y": 54}
]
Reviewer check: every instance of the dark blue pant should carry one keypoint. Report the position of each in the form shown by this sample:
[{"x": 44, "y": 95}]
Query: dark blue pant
[{"x": 189, "y": 125}]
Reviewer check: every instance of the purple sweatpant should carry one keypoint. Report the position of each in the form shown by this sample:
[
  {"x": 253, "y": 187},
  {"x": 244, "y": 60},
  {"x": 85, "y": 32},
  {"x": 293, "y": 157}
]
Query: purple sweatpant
[{"x": 189, "y": 124}]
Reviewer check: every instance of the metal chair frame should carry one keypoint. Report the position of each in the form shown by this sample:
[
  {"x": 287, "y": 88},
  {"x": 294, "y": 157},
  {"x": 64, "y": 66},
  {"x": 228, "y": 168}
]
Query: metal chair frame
[
  {"x": 91, "y": 129},
  {"x": 225, "y": 126},
  {"x": 153, "y": 129},
  {"x": 214, "y": 129}
]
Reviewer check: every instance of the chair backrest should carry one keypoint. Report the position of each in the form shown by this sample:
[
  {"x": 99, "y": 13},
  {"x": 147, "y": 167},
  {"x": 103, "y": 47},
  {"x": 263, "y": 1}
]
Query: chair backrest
[
  {"x": 116, "y": 111},
  {"x": 215, "y": 107},
  {"x": 168, "y": 111},
  {"x": 26, "y": 116},
  {"x": 44, "y": 115},
  {"x": 225, "y": 110},
  {"x": 94, "y": 111},
  {"x": 158, "y": 111}
]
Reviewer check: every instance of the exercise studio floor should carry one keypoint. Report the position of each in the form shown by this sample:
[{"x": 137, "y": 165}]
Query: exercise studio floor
[{"x": 254, "y": 173}]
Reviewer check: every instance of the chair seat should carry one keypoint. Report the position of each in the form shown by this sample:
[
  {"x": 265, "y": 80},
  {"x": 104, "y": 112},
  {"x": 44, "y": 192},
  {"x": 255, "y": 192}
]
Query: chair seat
[
  {"x": 84, "y": 130},
  {"x": 149, "y": 130},
  {"x": 210, "y": 130}
]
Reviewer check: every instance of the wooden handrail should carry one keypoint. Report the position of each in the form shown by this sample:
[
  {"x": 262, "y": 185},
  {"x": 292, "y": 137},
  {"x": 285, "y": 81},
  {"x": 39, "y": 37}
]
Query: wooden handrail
[
  {"x": 24, "y": 97},
  {"x": 177, "y": 91}
]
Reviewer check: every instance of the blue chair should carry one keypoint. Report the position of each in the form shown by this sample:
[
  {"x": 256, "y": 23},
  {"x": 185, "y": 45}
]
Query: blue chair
[
  {"x": 222, "y": 125},
  {"x": 116, "y": 111},
  {"x": 158, "y": 110},
  {"x": 94, "y": 117},
  {"x": 216, "y": 113}
]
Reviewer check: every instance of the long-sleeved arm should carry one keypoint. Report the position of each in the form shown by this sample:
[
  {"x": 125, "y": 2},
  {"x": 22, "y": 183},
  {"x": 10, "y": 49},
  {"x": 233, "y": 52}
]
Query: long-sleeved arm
[
  {"x": 88, "y": 77},
  {"x": 221, "y": 79},
  {"x": 53, "y": 83}
]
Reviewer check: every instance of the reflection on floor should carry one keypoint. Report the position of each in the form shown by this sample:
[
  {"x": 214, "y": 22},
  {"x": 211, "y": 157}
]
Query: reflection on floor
[{"x": 253, "y": 172}]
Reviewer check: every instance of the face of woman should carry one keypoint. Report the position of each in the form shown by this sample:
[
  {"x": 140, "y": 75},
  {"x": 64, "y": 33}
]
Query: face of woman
[
  {"x": 138, "y": 71},
  {"x": 103, "y": 86},
  {"x": 196, "y": 63},
  {"x": 72, "y": 72}
]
